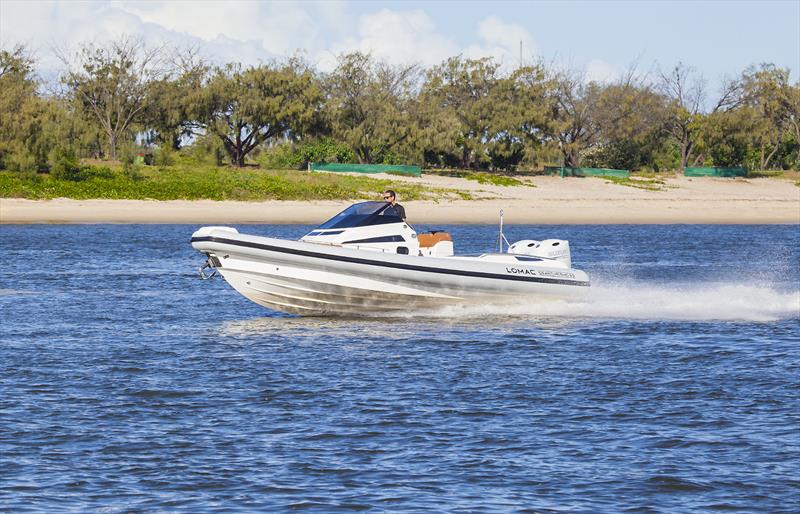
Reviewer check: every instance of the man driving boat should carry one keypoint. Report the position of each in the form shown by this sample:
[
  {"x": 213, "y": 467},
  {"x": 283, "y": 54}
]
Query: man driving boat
[{"x": 391, "y": 197}]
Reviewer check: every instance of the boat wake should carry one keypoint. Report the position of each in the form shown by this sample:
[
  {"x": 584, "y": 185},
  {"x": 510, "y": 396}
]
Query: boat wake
[
  {"x": 14, "y": 292},
  {"x": 645, "y": 301}
]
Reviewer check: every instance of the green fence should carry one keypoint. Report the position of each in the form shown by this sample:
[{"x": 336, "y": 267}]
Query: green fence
[
  {"x": 715, "y": 172},
  {"x": 586, "y": 172},
  {"x": 365, "y": 168}
]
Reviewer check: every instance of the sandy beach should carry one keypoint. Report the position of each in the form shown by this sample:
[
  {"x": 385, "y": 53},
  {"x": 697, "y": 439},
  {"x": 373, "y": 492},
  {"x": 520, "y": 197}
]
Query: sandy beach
[{"x": 553, "y": 201}]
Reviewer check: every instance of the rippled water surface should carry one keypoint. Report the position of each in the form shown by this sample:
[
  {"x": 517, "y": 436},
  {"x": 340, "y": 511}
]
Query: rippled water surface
[{"x": 127, "y": 384}]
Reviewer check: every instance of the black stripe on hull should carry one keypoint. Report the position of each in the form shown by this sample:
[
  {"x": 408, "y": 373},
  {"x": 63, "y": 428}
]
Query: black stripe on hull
[
  {"x": 381, "y": 239},
  {"x": 395, "y": 265}
]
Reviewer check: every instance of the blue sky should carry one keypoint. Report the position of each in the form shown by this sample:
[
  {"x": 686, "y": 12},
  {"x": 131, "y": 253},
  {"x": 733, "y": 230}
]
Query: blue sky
[{"x": 602, "y": 37}]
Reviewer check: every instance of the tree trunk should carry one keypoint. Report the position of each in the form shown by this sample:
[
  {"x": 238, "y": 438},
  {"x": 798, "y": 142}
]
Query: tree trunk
[
  {"x": 570, "y": 158},
  {"x": 765, "y": 160},
  {"x": 235, "y": 151},
  {"x": 238, "y": 155},
  {"x": 112, "y": 145},
  {"x": 686, "y": 151}
]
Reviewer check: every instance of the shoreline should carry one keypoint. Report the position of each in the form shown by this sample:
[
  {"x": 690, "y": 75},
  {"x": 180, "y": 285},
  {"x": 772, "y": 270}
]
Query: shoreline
[
  {"x": 550, "y": 200},
  {"x": 544, "y": 212}
]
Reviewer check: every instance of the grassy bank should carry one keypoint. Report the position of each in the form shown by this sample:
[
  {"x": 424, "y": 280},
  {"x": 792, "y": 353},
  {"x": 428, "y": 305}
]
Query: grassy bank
[
  {"x": 638, "y": 182},
  {"x": 185, "y": 182},
  {"x": 495, "y": 178}
]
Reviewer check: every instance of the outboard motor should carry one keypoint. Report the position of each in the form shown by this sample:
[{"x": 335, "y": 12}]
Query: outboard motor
[{"x": 557, "y": 249}]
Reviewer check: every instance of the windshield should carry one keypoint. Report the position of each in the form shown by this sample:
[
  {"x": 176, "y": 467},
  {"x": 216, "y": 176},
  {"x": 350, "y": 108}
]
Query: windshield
[{"x": 363, "y": 214}]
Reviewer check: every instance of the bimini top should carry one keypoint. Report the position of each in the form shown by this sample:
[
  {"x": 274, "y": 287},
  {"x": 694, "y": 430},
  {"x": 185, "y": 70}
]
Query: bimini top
[{"x": 362, "y": 215}]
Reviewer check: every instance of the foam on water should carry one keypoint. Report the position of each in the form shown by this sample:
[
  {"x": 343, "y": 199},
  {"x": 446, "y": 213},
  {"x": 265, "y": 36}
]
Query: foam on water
[
  {"x": 646, "y": 301},
  {"x": 13, "y": 292}
]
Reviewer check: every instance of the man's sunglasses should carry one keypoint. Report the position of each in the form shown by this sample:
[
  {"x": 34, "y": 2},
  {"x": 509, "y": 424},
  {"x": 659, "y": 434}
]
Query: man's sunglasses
[{"x": 387, "y": 197}]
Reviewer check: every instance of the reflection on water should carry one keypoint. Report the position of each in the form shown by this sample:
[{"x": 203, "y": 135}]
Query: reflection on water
[
  {"x": 397, "y": 326},
  {"x": 291, "y": 326}
]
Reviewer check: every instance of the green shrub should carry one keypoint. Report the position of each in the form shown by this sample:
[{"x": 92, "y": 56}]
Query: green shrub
[
  {"x": 206, "y": 151},
  {"x": 326, "y": 150},
  {"x": 164, "y": 156},
  {"x": 132, "y": 173},
  {"x": 126, "y": 152},
  {"x": 278, "y": 157},
  {"x": 21, "y": 161},
  {"x": 30, "y": 177},
  {"x": 65, "y": 166},
  {"x": 90, "y": 172},
  {"x": 297, "y": 156}
]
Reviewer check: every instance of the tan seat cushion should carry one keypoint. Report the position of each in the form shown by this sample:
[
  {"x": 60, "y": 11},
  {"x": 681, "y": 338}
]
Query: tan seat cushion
[{"x": 428, "y": 240}]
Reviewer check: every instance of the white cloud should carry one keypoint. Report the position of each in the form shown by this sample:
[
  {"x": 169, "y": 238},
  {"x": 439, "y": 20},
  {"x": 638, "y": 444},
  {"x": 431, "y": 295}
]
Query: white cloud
[
  {"x": 223, "y": 50},
  {"x": 501, "y": 41},
  {"x": 205, "y": 20},
  {"x": 250, "y": 32},
  {"x": 398, "y": 37},
  {"x": 280, "y": 27},
  {"x": 601, "y": 71},
  {"x": 47, "y": 27},
  {"x": 506, "y": 35}
]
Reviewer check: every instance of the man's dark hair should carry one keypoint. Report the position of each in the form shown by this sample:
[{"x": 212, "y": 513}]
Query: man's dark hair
[{"x": 390, "y": 193}]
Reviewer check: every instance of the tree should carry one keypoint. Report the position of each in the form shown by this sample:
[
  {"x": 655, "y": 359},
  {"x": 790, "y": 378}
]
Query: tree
[
  {"x": 686, "y": 93},
  {"x": 19, "y": 105},
  {"x": 630, "y": 118},
  {"x": 36, "y": 132},
  {"x": 462, "y": 89},
  {"x": 245, "y": 108},
  {"x": 767, "y": 93},
  {"x": 522, "y": 103},
  {"x": 572, "y": 114},
  {"x": 793, "y": 110},
  {"x": 173, "y": 95},
  {"x": 112, "y": 82},
  {"x": 369, "y": 106},
  {"x": 792, "y": 99},
  {"x": 724, "y": 137},
  {"x": 437, "y": 133}
]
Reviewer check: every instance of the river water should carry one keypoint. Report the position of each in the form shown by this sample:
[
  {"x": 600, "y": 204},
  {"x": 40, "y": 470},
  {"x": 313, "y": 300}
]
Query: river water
[{"x": 128, "y": 384}]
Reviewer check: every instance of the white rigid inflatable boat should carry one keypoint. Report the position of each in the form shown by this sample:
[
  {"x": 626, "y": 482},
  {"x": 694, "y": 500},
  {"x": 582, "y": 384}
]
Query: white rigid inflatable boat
[{"x": 368, "y": 260}]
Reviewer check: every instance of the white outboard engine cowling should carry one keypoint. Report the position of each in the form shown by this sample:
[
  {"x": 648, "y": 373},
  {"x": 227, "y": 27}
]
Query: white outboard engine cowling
[{"x": 557, "y": 249}]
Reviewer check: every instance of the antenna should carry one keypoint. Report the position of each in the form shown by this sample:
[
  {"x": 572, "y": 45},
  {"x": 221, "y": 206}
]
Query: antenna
[{"x": 500, "y": 236}]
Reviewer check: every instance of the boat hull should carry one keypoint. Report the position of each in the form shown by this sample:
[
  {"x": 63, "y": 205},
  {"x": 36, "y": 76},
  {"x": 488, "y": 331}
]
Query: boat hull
[{"x": 313, "y": 279}]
